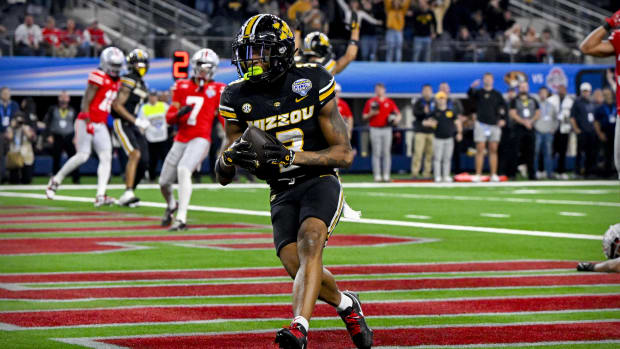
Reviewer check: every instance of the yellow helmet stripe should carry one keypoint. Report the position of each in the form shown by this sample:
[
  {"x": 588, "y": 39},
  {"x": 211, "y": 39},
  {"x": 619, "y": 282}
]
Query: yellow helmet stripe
[{"x": 250, "y": 26}]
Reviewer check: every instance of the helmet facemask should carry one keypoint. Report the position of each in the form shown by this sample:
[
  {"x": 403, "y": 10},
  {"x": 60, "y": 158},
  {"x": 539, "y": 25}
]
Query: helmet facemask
[{"x": 204, "y": 70}]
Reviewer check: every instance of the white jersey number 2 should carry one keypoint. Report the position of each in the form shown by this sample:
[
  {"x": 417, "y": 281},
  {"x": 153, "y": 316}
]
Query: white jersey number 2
[
  {"x": 197, "y": 102},
  {"x": 295, "y": 137}
]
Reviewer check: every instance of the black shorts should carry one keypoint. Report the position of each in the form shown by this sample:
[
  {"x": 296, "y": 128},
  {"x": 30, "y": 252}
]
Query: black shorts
[
  {"x": 130, "y": 138},
  {"x": 320, "y": 197}
]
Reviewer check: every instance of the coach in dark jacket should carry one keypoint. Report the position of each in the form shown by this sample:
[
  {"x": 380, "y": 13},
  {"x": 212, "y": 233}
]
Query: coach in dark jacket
[
  {"x": 582, "y": 119},
  {"x": 60, "y": 132}
]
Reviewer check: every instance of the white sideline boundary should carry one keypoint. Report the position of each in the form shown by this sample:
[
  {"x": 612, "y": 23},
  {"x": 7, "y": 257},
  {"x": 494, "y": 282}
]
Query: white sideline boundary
[
  {"x": 216, "y": 186},
  {"x": 361, "y": 220}
]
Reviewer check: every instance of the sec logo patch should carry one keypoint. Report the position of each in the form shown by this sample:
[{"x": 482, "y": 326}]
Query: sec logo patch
[{"x": 246, "y": 107}]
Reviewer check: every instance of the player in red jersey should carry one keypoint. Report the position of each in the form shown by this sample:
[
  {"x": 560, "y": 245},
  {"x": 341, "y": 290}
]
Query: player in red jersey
[
  {"x": 345, "y": 111},
  {"x": 194, "y": 105},
  {"x": 595, "y": 45},
  {"x": 91, "y": 130}
]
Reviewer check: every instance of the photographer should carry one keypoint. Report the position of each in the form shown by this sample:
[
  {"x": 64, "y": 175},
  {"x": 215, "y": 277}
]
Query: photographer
[
  {"x": 382, "y": 114},
  {"x": 20, "y": 157},
  {"x": 424, "y": 108}
]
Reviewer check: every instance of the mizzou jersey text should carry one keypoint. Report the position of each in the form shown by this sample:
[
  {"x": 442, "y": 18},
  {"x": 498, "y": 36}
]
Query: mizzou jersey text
[
  {"x": 137, "y": 95},
  {"x": 198, "y": 122},
  {"x": 287, "y": 109},
  {"x": 100, "y": 105}
]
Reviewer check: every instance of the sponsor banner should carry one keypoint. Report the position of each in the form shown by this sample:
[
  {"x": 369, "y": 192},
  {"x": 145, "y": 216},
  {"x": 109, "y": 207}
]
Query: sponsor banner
[{"x": 42, "y": 75}]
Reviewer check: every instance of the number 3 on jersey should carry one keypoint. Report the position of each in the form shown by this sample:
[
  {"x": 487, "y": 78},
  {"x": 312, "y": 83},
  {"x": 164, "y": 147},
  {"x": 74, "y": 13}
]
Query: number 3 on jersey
[
  {"x": 295, "y": 137},
  {"x": 197, "y": 102}
]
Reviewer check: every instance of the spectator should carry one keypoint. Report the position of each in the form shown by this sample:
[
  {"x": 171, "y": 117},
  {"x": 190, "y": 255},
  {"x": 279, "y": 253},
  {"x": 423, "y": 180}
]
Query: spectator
[
  {"x": 446, "y": 125},
  {"x": 506, "y": 146},
  {"x": 395, "y": 11},
  {"x": 95, "y": 39},
  {"x": 264, "y": 6},
  {"x": 439, "y": 10},
  {"x": 52, "y": 38},
  {"x": 490, "y": 118},
  {"x": 597, "y": 97},
  {"x": 157, "y": 135},
  {"x": 457, "y": 107},
  {"x": 545, "y": 129},
  {"x": 314, "y": 19},
  {"x": 563, "y": 104},
  {"x": 72, "y": 39},
  {"x": 424, "y": 133},
  {"x": 345, "y": 111},
  {"x": 60, "y": 132},
  {"x": 494, "y": 15},
  {"x": 465, "y": 49},
  {"x": 549, "y": 47},
  {"x": 8, "y": 109},
  {"x": 424, "y": 30},
  {"x": 512, "y": 43},
  {"x": 531, "y": 45},
  {"x": 382, "y": 114},
  {"x": 297, "y": 9},
  {"x": 369, "y": 39},
  {"x": 21, "y": 155},
  {"x": 524, "y": 111},
  {"x": 476, "y": 21},
  {"x": 582, "y": 119},
  {"x": 28, "y": 37},
  {"x": 604, "y": 126}
]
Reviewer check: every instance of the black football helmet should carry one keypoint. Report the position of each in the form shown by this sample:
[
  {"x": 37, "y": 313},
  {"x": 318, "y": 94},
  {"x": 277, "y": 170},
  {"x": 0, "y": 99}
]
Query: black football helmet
[
  {"x": 138, "y": 61},
  {"x": 316, "y": 44},
  {"x": 264, "y": 48}
]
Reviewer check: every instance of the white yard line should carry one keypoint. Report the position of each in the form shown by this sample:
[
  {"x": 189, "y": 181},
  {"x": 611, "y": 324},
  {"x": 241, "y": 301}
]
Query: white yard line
[
  {"x": 495, "y": 215},
  {"x": 415, "y": 216},
  {"x": 361, "y": 220},
  {"x": 572, "y": 214},
  {"x": 493, "y": 199}
]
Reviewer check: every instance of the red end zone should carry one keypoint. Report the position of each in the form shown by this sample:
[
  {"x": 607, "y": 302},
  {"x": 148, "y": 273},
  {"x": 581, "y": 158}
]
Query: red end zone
[{"x": 338, "y": 339}]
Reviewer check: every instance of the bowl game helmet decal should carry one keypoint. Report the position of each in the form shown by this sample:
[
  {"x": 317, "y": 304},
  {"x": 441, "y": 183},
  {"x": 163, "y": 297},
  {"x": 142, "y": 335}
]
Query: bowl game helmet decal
[
  {"x": 263, "y": 49},
  {"x": 111, "y": 61}
]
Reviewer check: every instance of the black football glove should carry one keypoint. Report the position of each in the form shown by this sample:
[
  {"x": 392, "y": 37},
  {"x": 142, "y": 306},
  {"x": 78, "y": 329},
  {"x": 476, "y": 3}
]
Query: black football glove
[
  {"x": 278, "y": 154},
  {"x": 240, "y": 153},
  {"x": 585, "y": 266},
  {"x": 184, "y": 110}
]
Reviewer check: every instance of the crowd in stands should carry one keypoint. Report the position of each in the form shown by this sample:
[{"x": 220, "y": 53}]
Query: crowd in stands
[{"x": 391, "y": 30}]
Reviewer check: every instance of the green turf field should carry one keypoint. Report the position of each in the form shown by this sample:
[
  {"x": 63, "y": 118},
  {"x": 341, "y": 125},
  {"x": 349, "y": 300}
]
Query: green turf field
[{"x": 436, "y": 266}]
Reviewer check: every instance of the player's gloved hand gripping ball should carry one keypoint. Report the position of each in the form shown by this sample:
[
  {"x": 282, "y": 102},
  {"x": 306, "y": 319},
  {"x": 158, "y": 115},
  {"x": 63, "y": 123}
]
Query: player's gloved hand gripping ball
[
  {"x": 240, "y": 153},
  {"x": 278, "y": 154}
]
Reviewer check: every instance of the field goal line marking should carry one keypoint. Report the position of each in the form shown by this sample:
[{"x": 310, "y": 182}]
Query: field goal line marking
[{"x": 361, "y": 220}]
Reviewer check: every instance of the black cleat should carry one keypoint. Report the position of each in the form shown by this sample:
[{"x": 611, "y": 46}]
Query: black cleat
[
  {"x": 292, "y": 337},
  {"x": 167, "y": 218},
  {"x": 178, "y": 226},
  {"x": 585, "y": 266},
  {"x": 353, "y": 317}
]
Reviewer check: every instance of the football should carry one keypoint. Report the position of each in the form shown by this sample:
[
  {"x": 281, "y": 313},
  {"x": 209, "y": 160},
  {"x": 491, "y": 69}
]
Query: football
[{"x": 258, "y": 138}]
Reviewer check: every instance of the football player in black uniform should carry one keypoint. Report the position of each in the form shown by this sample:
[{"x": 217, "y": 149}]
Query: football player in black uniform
[
  {"x": 294, "y": 103},
  {"x": 318, "y": 49},
  {"x": 129, "y": 129}
]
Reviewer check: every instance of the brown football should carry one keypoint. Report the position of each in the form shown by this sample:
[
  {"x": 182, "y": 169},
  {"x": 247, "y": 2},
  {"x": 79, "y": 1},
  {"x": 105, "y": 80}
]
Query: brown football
[{"x": 257, "y": 139}]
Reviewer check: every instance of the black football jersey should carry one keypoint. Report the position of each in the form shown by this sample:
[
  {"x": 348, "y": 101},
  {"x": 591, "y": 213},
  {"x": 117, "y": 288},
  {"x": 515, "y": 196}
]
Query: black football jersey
[
  {"x": 137, "y": 95},
  {"x": 287, "y": 109}
]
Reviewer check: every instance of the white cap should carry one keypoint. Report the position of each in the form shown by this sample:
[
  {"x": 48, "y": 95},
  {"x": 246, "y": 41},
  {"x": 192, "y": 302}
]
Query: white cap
[
  {"x": 338, "y": 87},
  {"x": 585, "y": 86}
]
